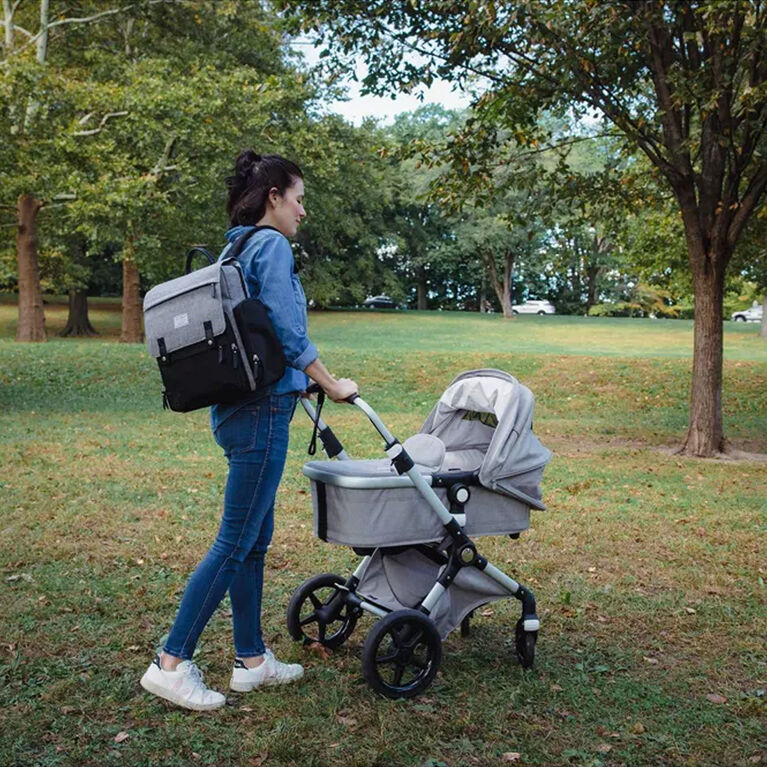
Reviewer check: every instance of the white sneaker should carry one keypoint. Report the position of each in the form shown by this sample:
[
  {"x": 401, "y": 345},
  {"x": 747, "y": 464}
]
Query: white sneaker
[
  {"x": 184, "y": 686},
  {"x": 270, "y": 672}
]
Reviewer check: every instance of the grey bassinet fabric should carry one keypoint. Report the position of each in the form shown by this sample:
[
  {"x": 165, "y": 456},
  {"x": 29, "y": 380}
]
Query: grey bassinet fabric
[
  {"x": 403, "y": 580},
  {"x": 398, "y": 516},
  {"x": 513, "y": 459}
]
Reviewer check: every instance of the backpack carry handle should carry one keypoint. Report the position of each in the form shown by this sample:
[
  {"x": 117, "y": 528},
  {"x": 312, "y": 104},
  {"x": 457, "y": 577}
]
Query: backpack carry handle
[{"x": 190, "y": 256}]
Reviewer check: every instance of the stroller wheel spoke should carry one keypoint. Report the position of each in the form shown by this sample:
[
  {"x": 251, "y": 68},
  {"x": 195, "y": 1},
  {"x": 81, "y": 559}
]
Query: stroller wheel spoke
[
  {"x": 413, "y": 641},
  {"x": 315, "y": 601},
  {"x": 388, "y": 658},
  {"x": 398, "y": 672},
  {"x": 309, "y": 619}
]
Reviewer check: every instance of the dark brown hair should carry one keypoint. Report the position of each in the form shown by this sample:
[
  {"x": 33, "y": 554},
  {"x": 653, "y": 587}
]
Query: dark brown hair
[{"x": 254, "y": 175}]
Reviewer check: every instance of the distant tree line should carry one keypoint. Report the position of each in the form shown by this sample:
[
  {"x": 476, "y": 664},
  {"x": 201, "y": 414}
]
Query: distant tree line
[{"x": 612, "y": 165}]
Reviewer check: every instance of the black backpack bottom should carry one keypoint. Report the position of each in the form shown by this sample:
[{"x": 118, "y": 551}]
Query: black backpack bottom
[{"x": 203, "y": 374}]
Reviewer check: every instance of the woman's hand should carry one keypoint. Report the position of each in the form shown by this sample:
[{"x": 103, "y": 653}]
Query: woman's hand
[
  {"x": 338, "y": 389},
  {"x": 341, "y": 389}
]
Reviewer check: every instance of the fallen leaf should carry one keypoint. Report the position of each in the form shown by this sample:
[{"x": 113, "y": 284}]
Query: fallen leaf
[
  {"x": 689, "y": 610},
  {"x": 652, "y": 661},
  {"x": 320, "y": 650},
  {"x": 511, "y": 756},
  {"x": 604, "y": 748},
  {"x": 121, "y": 736},
  {"x": 755, "y": 759},
  {"x": 556, "y": 688},
  {"x": 638, "y": 728},
  {"x": 257, "y": 761},
  {"x": 486, "y": 613},
  {"x": 713, "y": 697},
  {"x": 346, "y": 720},
  {"x": 592, "y": 569}
]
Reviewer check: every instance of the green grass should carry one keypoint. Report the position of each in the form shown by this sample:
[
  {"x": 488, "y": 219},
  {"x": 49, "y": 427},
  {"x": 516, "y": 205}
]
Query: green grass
[{"x": 648, "y": 568}]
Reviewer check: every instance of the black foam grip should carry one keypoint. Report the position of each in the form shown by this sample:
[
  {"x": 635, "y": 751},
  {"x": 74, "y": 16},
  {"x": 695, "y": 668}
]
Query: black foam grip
[{"x": 330, "y": 442}]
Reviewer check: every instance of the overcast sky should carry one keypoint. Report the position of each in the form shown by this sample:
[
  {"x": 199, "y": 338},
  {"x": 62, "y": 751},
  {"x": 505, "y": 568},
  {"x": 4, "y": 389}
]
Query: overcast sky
[{"x": 357, "y": 108}]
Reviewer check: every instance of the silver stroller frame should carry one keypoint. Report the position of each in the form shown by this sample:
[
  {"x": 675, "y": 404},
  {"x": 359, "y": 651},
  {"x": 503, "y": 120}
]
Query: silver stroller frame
[{"x": 402, "y": 652}]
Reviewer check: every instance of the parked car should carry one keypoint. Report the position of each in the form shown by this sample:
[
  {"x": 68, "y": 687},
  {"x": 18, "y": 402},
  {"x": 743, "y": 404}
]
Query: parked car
[
  {"x": 534, "y": 307},
  {"x": 754, "y": 314},
  {"x": 380, "y": 302}
]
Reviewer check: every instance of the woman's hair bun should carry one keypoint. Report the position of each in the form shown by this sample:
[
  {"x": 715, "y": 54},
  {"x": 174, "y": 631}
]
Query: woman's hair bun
[{"x": 246, "y": 161}]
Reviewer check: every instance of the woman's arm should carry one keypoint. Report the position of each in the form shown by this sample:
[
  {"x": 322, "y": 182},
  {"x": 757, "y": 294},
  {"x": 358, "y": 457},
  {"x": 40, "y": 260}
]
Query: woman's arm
[{"x": 338, "y": 389}]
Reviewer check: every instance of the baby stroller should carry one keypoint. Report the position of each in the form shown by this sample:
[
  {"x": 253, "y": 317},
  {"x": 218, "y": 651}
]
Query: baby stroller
[{"x": 473, "y": 470}]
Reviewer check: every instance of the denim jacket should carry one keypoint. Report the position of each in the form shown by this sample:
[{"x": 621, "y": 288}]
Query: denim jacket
[{"x": 269, "y": 269}]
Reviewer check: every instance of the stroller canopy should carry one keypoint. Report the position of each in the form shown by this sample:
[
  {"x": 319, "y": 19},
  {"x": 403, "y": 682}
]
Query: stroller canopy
[{"x": 485, "y": 420}]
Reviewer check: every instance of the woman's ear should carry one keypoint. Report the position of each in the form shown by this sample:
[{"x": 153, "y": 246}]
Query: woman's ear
[{"x": 274, "y": 195}]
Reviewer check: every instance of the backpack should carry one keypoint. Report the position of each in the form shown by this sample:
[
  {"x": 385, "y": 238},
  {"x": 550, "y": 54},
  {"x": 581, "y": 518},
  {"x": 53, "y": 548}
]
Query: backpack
[{"x": 213, "y": 344}]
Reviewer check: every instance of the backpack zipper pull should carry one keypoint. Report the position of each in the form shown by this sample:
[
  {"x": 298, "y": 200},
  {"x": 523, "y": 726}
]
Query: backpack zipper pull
[
  {"x": 220, "y": 354},
  {"x": 235, "y": 357}
]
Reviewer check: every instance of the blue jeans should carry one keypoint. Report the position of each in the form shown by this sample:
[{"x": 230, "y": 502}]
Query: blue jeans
[{"x": 255, "y": 442}]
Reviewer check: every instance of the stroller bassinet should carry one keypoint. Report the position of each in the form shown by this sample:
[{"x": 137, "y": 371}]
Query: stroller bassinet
[{"x": 473, "y": 470}]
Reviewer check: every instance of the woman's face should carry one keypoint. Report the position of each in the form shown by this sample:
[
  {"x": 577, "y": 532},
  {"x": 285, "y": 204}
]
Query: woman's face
[{"x": 287, "y": 210}]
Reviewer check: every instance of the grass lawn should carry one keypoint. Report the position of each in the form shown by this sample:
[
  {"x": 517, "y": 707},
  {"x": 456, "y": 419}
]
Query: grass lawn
[{"x": 649, "y": 569}]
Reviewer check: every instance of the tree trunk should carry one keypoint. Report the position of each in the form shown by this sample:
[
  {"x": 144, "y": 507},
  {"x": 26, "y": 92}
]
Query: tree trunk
[
  {"x": 422, "y": 289},
  {"x": 31, "y": 319},
  {"x": 502, "y": 287},
  {"x": 705, "y": 435},
  {"x": 78, "y": 323},
  {"x": 763, "y": 327},
  {"x": 483, "y": 296},
  {"x": 132, "y": 332},
  {"x": 592, "y": 272}
]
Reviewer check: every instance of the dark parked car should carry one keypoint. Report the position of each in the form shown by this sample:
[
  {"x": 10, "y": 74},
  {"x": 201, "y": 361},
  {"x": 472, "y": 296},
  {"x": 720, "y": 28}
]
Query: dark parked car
[{"x": 380, "y": 302}]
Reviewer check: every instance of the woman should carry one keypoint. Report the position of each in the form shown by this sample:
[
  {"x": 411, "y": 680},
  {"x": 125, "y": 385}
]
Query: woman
[{"x": 265, "y": 192}]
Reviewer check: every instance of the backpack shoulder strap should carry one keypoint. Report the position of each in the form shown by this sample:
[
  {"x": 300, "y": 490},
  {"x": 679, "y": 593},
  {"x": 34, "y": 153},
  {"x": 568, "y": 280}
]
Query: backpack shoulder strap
[{"x": 237, "y": 246}]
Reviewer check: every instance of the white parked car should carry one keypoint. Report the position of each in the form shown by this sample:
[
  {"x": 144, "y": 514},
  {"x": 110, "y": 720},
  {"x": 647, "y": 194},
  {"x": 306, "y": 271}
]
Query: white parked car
[
  {"x": 534, "y": 307},
  {"x": 754, "y": 314}
]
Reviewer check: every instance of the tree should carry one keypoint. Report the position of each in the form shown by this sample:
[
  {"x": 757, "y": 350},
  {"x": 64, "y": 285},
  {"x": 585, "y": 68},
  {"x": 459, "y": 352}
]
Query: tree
[{"x": 683, "y": 82}]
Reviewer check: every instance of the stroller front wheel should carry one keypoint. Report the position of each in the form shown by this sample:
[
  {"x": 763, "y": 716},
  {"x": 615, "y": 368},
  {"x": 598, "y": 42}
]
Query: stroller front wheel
[
  {"x": 401, "y": 654},
  {"x": 318, "y": 612},
  {"x": 525, "y": 644}
]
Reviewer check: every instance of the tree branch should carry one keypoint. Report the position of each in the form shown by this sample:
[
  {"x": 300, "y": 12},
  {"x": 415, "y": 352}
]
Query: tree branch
[
  {"x": 103, "y": 122},
  {"x": 89, "y": 19},
  {"x": 753, "y": 194},
  {"x": 162, "y": 163}
]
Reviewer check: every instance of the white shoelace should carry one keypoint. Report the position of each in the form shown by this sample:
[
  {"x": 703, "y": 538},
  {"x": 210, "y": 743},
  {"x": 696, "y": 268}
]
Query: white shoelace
[{"x": 195, "y": 675}]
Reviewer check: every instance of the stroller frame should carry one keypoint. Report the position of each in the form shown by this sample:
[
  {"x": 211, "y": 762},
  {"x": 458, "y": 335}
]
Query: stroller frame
[{"x": 413, "y": 640}]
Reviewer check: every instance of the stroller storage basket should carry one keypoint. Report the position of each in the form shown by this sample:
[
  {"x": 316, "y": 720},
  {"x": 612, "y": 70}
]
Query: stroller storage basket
[{"x": 364, "y": 503}]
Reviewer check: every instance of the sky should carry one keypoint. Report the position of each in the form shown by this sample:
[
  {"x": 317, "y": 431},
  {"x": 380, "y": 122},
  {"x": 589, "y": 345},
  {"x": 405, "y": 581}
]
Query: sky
[{"x": 357, "y": 108}]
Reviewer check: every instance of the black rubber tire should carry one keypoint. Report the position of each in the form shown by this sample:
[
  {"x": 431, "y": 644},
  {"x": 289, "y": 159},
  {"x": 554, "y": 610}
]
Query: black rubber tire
[
  {"x": 514, "y": 312},
  {"x": 330, "y": 634},
  {"x": 524, "y": 643},
  {"x": 739, "y": 318},
  {"x": 408, "y": 642},
  {"x": 541, "y": 314}
]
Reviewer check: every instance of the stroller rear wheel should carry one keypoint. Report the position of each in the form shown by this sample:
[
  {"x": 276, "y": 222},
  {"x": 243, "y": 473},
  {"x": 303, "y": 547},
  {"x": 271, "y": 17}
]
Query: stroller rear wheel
[
  {"x": 525, "y": 644},
  {"x": 402, "y": 653},
  {"x": 318, "y": 612}
]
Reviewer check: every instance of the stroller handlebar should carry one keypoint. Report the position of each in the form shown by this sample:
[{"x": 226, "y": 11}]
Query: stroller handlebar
[{"x": 354, "y": 399}]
